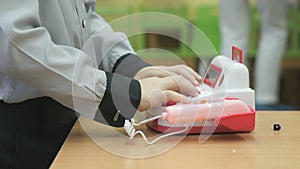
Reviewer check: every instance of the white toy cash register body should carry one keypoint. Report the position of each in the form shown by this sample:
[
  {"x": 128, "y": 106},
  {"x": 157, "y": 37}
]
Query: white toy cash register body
[{"x": 226, "y": 78}]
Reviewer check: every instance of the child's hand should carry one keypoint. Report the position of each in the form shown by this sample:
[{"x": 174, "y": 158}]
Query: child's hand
[
  {"x": 164, "y": 71},
  {"x": 157, "y": 91}
]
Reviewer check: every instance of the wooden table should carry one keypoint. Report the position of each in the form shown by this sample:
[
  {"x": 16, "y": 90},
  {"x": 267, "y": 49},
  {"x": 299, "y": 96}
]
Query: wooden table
[{"x": 262, "y": 148}]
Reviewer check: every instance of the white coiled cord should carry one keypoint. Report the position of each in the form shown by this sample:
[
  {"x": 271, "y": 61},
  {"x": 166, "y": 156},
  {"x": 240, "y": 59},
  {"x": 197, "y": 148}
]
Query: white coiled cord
[{"x": 129, "y": 128}]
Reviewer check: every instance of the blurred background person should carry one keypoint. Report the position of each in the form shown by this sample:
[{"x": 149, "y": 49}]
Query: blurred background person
[{"x": 235, "y": 30}]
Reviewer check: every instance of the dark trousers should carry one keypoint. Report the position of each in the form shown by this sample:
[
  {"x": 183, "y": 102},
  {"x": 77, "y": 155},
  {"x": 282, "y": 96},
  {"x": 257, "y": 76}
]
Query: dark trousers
[{"x": 32, "y": 132}]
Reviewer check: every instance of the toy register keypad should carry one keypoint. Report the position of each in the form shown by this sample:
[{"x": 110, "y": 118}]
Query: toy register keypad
[{"x": 201, "y": 90}]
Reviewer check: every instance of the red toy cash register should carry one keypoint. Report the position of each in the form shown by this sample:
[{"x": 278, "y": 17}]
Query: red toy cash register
[{"x": 225, "y": 102}]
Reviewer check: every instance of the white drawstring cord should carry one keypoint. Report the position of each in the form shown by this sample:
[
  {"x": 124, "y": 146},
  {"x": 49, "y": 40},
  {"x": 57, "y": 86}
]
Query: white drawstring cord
[{"x": 129, "y": 128}]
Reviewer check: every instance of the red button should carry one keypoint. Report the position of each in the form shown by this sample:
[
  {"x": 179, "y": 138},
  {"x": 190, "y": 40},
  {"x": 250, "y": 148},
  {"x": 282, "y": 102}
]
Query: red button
[
  {"x": 171, "y": 103},
  {"x": 232, "y": 98}
]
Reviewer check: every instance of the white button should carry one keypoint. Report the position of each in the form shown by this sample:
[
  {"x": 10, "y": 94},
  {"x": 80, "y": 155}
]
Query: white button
[
  {"x": 117, "y": 115},
  {"x": 83, "y": 23}
]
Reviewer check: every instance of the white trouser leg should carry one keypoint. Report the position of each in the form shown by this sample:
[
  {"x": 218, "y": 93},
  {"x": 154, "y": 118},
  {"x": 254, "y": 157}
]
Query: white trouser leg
[
  {"x": 270, "y": 50},
  {"x": 234, "y": 26}
]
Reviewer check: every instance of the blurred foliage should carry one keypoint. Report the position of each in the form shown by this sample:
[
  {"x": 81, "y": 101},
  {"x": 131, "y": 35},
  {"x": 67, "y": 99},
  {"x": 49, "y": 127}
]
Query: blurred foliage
[{"x": 204, "y": 14}]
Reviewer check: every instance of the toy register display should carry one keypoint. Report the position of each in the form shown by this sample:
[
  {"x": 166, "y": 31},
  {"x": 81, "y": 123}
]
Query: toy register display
[{"x": 225, "y": 103}]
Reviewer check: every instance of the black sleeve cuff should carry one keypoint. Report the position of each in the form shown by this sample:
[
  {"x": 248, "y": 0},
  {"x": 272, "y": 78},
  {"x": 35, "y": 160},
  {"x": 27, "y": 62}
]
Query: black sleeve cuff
[
  {"x": 120, "y": 101},
  {"x": 128, "y": 65}
]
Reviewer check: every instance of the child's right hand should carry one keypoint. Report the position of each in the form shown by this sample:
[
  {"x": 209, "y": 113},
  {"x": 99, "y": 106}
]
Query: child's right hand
[{"x": 157, "y": 91}]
